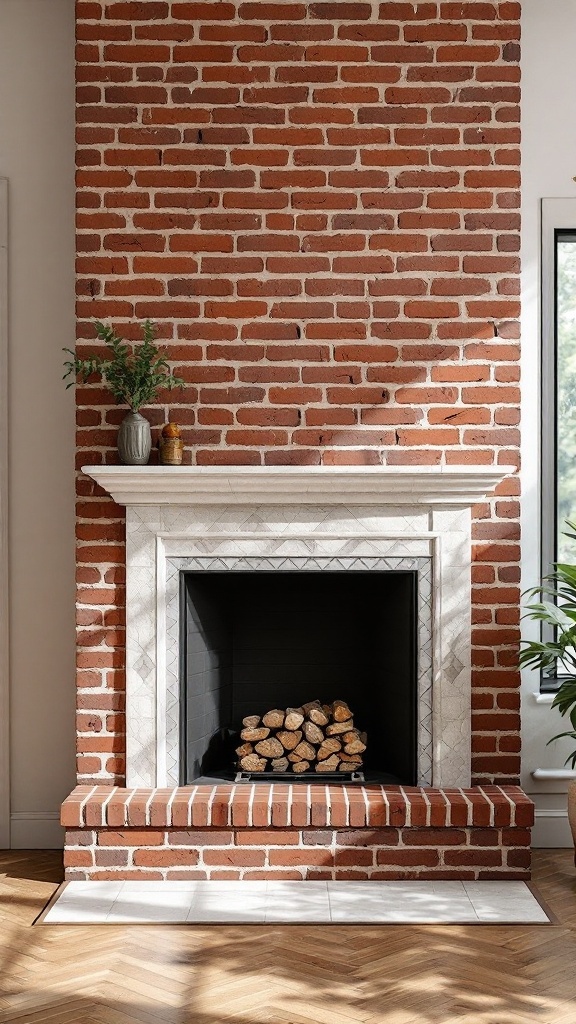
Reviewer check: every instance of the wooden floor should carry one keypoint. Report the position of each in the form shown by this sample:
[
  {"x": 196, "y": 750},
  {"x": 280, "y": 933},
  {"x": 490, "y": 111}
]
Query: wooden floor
[{"x": 283, "y": 974}]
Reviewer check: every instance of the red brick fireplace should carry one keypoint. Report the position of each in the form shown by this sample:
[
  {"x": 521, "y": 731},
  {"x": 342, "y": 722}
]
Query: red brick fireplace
[{"x": 318, "y": 206}]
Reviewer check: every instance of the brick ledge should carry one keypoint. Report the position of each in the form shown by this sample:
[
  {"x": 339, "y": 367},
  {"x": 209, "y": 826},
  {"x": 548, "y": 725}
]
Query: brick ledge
[{"x": 280, "y": 805}]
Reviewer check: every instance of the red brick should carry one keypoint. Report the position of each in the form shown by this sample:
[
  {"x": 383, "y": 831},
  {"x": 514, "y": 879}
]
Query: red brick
[
  {"x": 131, "y": 837},
  {"x": 261, "y": 837},
  {"x": 434, "y": 837},
  {"x": 409, "y": 858},
  {"x": 519, "y": 858},
  {"x": 291, "y": 857},
  {"x": 485, "y": 858},
  {"x": 354, "y": 858},
  {"x": 78, "y": 858},
  {"x": 165, "y": 858},
  {"x": 235, "y": 857},
  {"x": 111, "y": 858}
]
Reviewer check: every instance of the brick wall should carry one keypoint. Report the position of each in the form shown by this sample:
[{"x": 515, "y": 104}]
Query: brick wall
[{"x": 318, "y": 205}]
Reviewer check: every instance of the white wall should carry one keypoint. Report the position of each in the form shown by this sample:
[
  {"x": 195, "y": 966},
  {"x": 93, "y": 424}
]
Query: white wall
[
  {"x": 37, "y": 157},
  {"x": 548, "y": 169}
]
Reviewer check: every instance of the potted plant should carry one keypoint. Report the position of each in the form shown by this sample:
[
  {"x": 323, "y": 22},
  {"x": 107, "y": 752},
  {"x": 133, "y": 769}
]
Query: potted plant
[
  {"x": 133, "y": 375},
  {"x": 557, "y": 609}
]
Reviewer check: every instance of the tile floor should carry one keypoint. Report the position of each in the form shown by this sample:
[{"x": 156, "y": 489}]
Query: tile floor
[{"x": 200, "y": 902}]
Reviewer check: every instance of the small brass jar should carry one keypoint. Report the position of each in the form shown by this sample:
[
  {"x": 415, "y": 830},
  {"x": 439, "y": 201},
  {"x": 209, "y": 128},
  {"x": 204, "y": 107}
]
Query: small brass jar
[{"x": 170, "y": 446}]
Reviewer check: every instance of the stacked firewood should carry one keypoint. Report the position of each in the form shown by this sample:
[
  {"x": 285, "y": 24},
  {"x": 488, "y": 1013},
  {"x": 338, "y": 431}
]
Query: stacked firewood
[{"x": 315, "y": 737}]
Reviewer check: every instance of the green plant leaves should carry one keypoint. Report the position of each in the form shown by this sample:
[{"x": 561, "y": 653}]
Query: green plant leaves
[
  {"x": 133, "y": 374},
  {"x": 560, "y": 614}
]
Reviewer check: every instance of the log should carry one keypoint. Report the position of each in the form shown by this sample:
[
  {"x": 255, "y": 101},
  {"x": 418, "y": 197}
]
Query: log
[
  {"x": 281, "y": 764},
  {"x": 315, "y": 712},
  {"x": 244, "y": 750},
  {"x": 301, "y": 766},
  {"x": 253, "y": 735},
  {"x": 356, "y": 758},
  {"x": 318, "y": 716},
  {"x": 251, "y": 721},
  {"x": 340, "y": 711},
  {"x": 252, "y": 763},
  {"x": 347, "y": 766},
  {"x": 270, "y": 748},
  {"x": 289, "y": 740},
  {"x": 329, "y": 765},
  {"x": 293, "y": 757},
  {"x": 330, "y": 746},
  {"x": 355, "y": 746},
  {"x": 294, "y": 719},
  {"x": 313, "y": 733},
  {"x": 273, "y": 719},
  {"x": 305, "y": 751},
  {"x": 336, "y": 728}
]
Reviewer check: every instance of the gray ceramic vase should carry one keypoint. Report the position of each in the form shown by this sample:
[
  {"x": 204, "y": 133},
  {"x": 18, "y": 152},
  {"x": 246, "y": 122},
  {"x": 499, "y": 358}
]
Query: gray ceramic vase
[{"x": 134, "y": 440}]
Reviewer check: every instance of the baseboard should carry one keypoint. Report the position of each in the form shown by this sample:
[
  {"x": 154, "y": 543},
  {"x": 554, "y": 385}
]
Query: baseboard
[
  {"x": 36, "y": 830},
  {"x": 551, "y": 830}
]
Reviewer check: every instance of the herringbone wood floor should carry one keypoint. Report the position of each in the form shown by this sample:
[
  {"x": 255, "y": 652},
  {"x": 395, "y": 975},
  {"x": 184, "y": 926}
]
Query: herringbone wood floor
[{"x": 283, "y": 975}]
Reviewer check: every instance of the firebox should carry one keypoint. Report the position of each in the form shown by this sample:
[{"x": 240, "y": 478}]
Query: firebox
[{"x": 257, "y": 640}]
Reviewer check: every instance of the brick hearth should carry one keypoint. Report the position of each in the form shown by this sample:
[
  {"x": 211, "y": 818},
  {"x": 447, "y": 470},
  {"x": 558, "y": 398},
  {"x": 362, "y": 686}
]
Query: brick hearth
[{"x": 297, "y": 832}]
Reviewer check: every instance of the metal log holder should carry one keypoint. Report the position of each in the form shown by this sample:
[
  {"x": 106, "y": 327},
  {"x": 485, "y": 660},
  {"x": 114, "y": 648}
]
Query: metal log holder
[{"x": 357, "y": 777}]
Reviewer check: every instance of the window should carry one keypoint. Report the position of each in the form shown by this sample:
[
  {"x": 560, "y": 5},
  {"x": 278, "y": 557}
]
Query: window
[
  {"x": 565, "y": 392},
  {"x": 558, "y": 427}
]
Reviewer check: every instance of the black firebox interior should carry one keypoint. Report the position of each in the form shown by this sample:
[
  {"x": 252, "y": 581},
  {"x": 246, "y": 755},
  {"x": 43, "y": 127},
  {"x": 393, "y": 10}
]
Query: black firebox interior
[{"x": 258, "y": 640}]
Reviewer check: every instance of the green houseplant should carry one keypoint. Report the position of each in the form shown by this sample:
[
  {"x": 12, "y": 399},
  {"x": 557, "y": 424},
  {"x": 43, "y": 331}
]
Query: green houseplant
[
  {"x": 134, "y": 374},
  {"x": 557, "y": 610}
]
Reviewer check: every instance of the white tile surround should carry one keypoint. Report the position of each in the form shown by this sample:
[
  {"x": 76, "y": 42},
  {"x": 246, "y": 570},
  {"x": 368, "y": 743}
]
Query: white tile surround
[
  {"x": 300, "y": 562},
  {"x": 200, "y": 902},
  {"x": 244, "y": 515}
]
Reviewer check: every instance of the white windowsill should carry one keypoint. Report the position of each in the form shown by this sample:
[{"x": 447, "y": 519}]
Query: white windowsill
[
  {"x": 543, "y": 698},
  {"x": 545, "y": 774}
]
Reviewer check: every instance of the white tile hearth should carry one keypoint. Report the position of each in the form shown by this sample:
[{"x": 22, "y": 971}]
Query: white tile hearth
[{"x": 201, "y": 902}]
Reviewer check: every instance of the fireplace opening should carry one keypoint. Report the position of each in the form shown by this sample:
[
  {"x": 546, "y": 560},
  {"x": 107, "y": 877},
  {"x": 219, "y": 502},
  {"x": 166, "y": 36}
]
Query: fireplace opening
[{"x": 252, "y": 641}]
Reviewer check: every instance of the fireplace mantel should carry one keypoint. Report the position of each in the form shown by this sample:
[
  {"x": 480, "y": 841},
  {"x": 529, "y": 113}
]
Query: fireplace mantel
[
  {"x": 239, "y": 485},
  {"x": 254, "y": 518}
]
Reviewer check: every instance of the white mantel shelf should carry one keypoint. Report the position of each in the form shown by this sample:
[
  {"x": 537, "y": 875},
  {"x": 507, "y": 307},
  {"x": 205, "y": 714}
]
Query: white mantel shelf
[{"x": 239, "y": 485}]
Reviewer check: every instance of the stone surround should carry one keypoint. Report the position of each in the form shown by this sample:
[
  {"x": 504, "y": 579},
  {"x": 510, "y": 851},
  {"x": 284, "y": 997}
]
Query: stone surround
[{"x": 296, "y": 517}]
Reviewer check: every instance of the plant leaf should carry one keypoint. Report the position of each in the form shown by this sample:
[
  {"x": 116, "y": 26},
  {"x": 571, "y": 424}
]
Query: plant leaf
[{"x": 133, "y": 374}]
